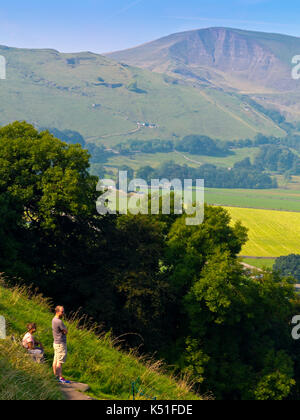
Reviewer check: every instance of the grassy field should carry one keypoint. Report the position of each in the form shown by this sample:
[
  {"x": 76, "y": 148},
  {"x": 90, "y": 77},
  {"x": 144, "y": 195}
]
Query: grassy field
[
  {"x": 271, "y": 233},
  {"x": 143, "y": 159},
  {"x": 274, "y": 199},
  {"x": 260, "y": 262},
  {"x": 93, "y": 359}
]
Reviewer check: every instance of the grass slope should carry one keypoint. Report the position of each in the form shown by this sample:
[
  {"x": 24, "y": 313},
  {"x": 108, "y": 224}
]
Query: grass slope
[
  {"x": 271, "y": 233},
  {"x": 97, "y": 361},
  {"x": 91, "y": 94},
  {"x": 21, "y": 379}
]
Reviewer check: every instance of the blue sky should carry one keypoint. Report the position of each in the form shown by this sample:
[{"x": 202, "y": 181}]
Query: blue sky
[{"x": 103, "y": 26}]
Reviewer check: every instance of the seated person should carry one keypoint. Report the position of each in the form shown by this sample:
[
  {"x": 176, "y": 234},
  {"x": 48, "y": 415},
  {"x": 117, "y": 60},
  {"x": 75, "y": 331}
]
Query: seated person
[{"x": 29, "y": 342}]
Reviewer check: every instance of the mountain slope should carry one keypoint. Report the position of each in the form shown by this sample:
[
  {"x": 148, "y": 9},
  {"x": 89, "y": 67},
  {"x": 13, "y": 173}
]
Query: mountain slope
[
  {"x": 105, "y": 100},
  {"x": 92, "y": 359},
  {"x": 260, "y": 58},
  {"x": 232, "y": 59}
]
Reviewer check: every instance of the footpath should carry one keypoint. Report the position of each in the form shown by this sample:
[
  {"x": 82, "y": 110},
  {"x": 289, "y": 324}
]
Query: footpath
[{"x": 75, "y": 392}]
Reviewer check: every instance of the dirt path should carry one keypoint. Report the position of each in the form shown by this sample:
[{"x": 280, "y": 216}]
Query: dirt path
[
  {"x": 187, "y": 158},
  {"x": 75, "y": 391},
  {"x": 128, "y": 133}
]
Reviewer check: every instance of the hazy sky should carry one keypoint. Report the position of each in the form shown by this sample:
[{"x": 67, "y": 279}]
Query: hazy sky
[{"x": 108, "y": 25}]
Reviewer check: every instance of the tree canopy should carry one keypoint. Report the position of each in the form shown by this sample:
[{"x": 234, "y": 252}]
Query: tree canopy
[{"x": 288, "y": 266}]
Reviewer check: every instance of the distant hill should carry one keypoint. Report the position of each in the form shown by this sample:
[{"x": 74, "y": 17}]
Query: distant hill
[
  {"x": 110, "y": 102},
  {"x": 232, "y": 59}
]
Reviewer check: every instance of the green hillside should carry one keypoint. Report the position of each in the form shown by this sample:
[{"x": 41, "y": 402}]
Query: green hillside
[
  {"x": 95, "y": 360},
  {"x": 105, "y": 101}
]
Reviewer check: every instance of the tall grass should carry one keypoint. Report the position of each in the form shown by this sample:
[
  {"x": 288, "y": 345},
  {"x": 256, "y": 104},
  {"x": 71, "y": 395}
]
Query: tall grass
[
  {"x": 21, "y": 378},
  {"x": 95, "y": 359}
]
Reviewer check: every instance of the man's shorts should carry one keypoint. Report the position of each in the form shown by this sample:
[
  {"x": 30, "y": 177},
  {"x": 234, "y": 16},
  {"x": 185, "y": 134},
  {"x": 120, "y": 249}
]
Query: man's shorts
[{"x": 60, "y": 353}]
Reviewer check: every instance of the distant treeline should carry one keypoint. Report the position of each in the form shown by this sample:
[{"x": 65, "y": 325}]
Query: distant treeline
[
  {"x": 193, "y": 144},
  {"x": 290, "y": 140},
  {"x": 288, "y": 266},
  {"x": 277, "y": 159},
  {"x": 275, "y": 154},
  {"x": 239, "y": 176}
]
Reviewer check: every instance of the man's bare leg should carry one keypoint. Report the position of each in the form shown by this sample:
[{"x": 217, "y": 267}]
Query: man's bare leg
[
  {"x": 59, "y": 370},
  {"x": 54, "y": 369}
]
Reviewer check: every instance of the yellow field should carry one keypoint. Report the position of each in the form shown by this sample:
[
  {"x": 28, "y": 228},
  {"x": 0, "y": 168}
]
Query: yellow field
[{"x": 271, "y": 233}]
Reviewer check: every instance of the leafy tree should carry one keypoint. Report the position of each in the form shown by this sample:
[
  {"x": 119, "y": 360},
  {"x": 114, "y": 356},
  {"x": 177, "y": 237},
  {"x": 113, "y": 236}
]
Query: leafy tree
[
  {"x": 141, "y": 286},
  {"x": 146, "y": 173},
  {"x": 43, "y": 180},
  {"x": 98, "y": 153},
  {"x": 145, "y": 146},
  {"x": 238, "y": 177},
  {"x": 12, "y": 229},
  {"x": 202, "y": 145},
  {"x": 236, "y": 320},
  {"x": 277, "y": 377},
  {"x": 68, "y": 136},
  {"x": 47, "y": 177},
  {"x": 244, "y": 164},
  {"x": 189, "y": 248}
]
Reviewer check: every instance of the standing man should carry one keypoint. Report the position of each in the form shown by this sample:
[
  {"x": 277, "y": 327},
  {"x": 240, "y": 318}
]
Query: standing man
[{"x": 60, "y": 343}]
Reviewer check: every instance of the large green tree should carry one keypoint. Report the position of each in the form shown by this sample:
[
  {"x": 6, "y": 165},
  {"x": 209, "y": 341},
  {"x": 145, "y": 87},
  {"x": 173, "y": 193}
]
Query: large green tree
[
  {"x": 52, "y": 236},
  {"x": 49, "y": 178},
  {"x": 232, "y": 329}
]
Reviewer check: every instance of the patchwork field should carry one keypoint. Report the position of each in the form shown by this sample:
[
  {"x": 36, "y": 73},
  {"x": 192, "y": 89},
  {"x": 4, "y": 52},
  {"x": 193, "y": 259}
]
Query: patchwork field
[
  {"x": 271, "y": 233},
  {"x": 143, "y": 159}
]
